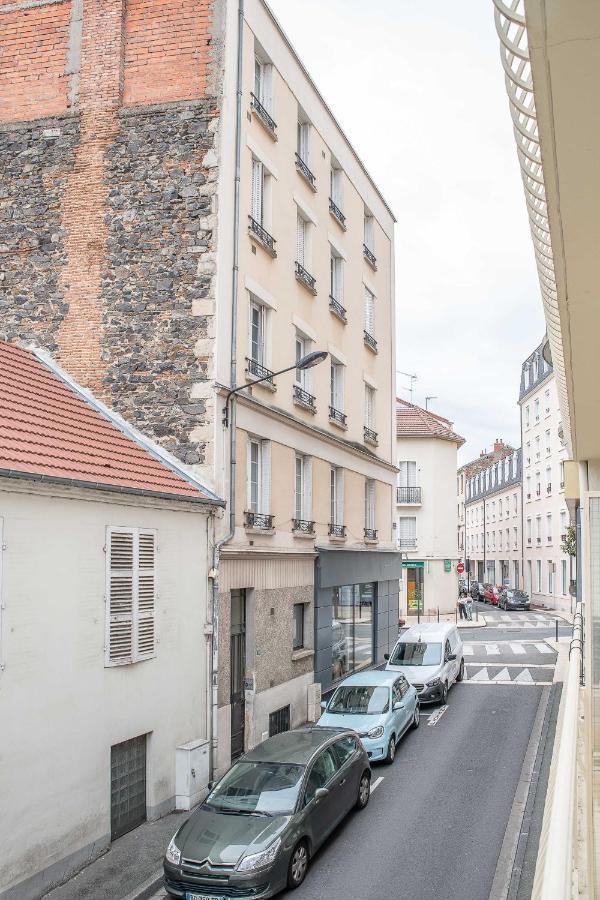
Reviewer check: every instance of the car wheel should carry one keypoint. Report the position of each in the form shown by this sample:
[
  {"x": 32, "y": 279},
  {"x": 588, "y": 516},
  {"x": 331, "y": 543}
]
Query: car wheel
[
  {"x": 364, "y": 791},
  {"x": 461, "y": 671},
  {"x": 298, "y": 865},
  {"x": 391, "y": 754},
  {"x": 444, "y": 697},
  {"x": 416, "y": 716}
]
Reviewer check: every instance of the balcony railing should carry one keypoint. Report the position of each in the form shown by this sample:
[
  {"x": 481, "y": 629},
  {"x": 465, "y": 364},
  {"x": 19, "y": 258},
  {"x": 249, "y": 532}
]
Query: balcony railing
[
  {"x": 303, "y": 526},
  {"x": 529, "y": 496},
  {"x": 265, "y": 117},
  {"x": 408, "y": 494},
  {"x": 528, "y": 542},
  {"x": 369, "y": 435},
  {"x": 562, "y": 484},
  {"x": 548, "y": 488},
  {"x": 305, "y": 278},
  {"x": 262, "y": 235},
  {"x": 337, "y": 213},
  {"x": 303, "y": 398},
  {"x": 258, "y": 520},
  {"x": 337, "y": 309},
  {"x": 408, "y": 543},
  {"x": 538, "y": 491},
  {"x": 563, "y": 537},
  {"x": 336, "y": 416},
  {"x": 370, "y": 256},
  {"x": 538, "y": 540},
  {"x": 370, "y": 341},
  {"x": 338, "y": 531},
  {"x": 259, "y": 371},
  {"x": 305, "y": 171},
  {"x": 549, "y": 538},
  {"x": 370, "y": 534}
]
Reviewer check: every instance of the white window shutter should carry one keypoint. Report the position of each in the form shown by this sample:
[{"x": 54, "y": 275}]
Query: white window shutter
[
  {"x": 369, "y": 312},
  {"x": 267, "y": 87},
  {"x": 146, "y": 595},
  {"x": 301, "y": 240},
  {"x": 340, "y": 497},
  {"x": 257, "y": 190},
  {"x": 307, "y": 487},
  {"x": 266, "y": 477},
  {"x": 120, "y": 555},
  {"x": 403, "y": 473}
]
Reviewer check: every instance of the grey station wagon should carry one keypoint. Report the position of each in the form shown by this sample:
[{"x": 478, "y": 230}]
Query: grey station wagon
[{"x": 257, "y": 829}]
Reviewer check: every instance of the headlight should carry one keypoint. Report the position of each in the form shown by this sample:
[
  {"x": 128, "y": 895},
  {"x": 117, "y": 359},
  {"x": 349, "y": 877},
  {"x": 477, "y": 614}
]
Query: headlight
[
  {"x": 259, "y": 860},
  {"x": 433, "y": 683},
  {"x": 173, "y": 854},
  {"x": 375, "y": 732}
]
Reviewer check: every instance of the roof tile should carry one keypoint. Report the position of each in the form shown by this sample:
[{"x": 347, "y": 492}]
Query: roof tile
[{"x": 414, "y": 421}]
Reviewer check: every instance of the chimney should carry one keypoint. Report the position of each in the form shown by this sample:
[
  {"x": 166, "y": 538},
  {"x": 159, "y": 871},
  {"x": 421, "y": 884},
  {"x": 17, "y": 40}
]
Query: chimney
[{"x": 498, "y": 445}]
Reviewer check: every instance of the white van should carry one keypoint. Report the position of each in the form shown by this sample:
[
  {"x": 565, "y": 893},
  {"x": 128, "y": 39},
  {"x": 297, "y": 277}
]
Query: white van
[{"x": 430, "y": 656}]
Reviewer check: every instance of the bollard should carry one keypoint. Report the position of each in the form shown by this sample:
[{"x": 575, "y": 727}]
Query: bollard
[
  {"x": 438, "y": 614},
  {"x": 477, "y": 613},
  {"x": 556, "y": 624},
  {"x": 455, "y": 615}
]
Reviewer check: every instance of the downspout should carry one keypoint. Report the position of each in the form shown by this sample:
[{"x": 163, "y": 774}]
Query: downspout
[
  {"x": 232, "y": 418},
  {"x": 522, "y": 511}
]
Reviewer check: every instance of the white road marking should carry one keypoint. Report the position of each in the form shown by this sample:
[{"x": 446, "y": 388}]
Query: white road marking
[
  {"x": 503, "y": 675},
  {"x": 467, "y": 650},
  {"x": 519, "y": 684},
  {"x": 538, "y": 616},
  {"x": 524, "y": 677},
  {"x": 482, "y": 675},
  {"x": 492, "y": 649},
  {"x": 376, "y": 783},
  {"x": 517, "y": 648},
  {"x": 514, "y": 665},
  {"x": 544, "y": 648},
  {"x": 435, "y": 717}
]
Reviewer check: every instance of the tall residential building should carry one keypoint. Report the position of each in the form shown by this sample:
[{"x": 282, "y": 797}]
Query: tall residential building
[
  {"x": 466, "y": 471},
  {"x": 426, "y": 513},
  {"x": 186, "y": 216},
  {"x": 547, "y": 568}
]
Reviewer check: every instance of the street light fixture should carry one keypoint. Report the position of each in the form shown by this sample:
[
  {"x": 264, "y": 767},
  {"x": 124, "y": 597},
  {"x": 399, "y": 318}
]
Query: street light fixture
[{"x": 305, "y": 362}]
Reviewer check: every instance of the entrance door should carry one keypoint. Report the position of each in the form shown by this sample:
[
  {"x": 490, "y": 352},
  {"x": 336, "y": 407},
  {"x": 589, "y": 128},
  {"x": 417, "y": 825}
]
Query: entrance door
[
  {"x": 480, "y": 570},
  {"x": 237, "y": 657},
  {"x": 127, "y": 786},
  {"x": 414, "y": 590}
]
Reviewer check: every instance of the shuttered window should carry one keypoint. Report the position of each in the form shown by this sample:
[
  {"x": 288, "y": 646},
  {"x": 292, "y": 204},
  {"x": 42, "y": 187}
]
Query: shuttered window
[
  {"x": 369, "y": 407},
  {"x": 301, "y": 241},
  {"x": 369, "y": 312},
  {"x": 130, "y": 595},
  {"x": 407, "y": 476},
  {"x": 257, "y": 191},
  {"x": 369, "y": 503}
]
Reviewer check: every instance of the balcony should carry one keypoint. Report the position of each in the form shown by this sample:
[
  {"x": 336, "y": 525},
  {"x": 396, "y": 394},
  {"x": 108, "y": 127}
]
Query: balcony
[
  {"x": 303, "y": 526},
  {"x": 264, "y": 116},
  {"x": 548, "y": 488},
  {"x": 408, "y": 495},
  {"x": 305, "y": 172},
  {"x": 538, "y": 540},
  {"x": 529, "y": 542},
  {"x": 370, "y": 534},
  {"x": 370, "y": 436},
  {"x": 305, "y": 278},
  {"x": 261, "y": 521},
  {"x": 563, "y": 537},
  {"x": 337, "y": 531},
  {"x": 337, "y": 417},
  {"x": 257, "y": 370},
  {"x": 337, "y": 309},
  {"x": 549, "y": 538},
  {"x": 407, "y": 543},
  {"x": 370, "y": 257},
  {"x": 529, "y": 496},
  {"x": 337, "y": 214},
  {"x": 370, "y": 341},
  {"x": 304, "y": 399},
  {"x": 261, "y": 236},
  {"x": 538, "y": 491}
]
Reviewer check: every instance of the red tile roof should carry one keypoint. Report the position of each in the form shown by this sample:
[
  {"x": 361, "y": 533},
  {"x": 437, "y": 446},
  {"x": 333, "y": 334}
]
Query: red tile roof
[
  {"x": 49, "y": 430},
  {"x": 414, "y": 421}
]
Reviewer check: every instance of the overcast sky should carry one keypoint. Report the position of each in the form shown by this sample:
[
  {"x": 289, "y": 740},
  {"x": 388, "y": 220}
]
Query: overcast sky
[{"x": 418, "y": 87}]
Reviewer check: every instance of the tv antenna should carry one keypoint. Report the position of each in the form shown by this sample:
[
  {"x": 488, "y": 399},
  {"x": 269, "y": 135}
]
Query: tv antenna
[
  {"x": 431, "y": 397},
  {"x": 412, "y": 377}
]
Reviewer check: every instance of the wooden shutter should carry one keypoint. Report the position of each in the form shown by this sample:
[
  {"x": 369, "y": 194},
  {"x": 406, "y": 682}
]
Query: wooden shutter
[
  {"x": 119, "y": 596},
  {"x": 146, "y": 595},
  {"x": 257, "y": 190}
]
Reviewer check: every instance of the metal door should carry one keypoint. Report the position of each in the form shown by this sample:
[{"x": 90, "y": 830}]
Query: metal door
[
  {"x": 127, "y": 786},
  {"x": 238, "y": 671}
]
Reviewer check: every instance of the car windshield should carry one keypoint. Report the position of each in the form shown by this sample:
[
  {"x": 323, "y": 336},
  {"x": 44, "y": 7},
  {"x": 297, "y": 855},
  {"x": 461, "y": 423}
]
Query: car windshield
[
  {"x": 259, "y": 788},
  {"x": 419, "y": 654},
  {"x": 358, "y": 700},
  {"x": 516, "y": 595}
]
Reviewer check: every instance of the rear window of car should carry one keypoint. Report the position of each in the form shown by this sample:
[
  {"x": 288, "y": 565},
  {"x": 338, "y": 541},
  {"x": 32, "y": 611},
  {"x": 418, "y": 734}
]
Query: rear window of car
[{"x": 421, "y": 653}]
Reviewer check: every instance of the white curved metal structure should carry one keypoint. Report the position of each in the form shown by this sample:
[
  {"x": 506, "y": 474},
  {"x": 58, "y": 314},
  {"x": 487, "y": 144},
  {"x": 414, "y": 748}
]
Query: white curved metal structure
[{"x": 514, "y": 53}]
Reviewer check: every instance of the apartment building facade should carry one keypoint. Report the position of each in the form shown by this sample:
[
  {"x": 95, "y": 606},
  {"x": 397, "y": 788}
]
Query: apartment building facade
[
  {"x": 548, "y": 570},
  {"x": 235, "y": 230},
  {"x": 464, "y": 473}
]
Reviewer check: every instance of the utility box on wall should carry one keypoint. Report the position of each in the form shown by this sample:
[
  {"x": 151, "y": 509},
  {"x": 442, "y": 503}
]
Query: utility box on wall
[{"x": 191, "y": 773}]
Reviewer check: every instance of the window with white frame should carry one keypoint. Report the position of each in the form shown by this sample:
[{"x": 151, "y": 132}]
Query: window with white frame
[
  {"x": 537, "y": 447},
  {"x": 370, "y": 394},
  {"x": 550, "y": 577},
  {"x": 549, "y": 527},
  {"x": 536, "y": 410},
  {"x": 257, "y": 350},
  {"x": 561, "y": 469},
  {"x": 369, "y": 504},
  {"x": 563, "y": 523},
  {"x": 407, "y": 475},
  {"x": 258, "y": 476},
  {"x": 369, "y": 235},
  {"x": 539, "y": 575},
  {"x": 527, "y": 413},
  {"x": 538, "y": 484},
  {"x": 547, "y": 399},
  {"x": 303, "y": 241},
  {"x": 514, "y": 504},
  {"x": 337, "y": 386},
  {"x": 528, "y": 531},
  {"x": 261, "y": 194},
  {"x": 529, "y": 577},
  {"x": 336, "y": 281},
  {"x": 500, "y": 539},
  {"x": 303, "y": 143},
  {"x": 336, "y": 495},
  {"x": 302, "y": 487},
  {"x": 407, "y": 528},
  {"x": 564, "y": 586},
  {"x": 515, "y": 538},
  {"x": 131, "y": 595},
  {"x": 500, "y": 508},
  {"x": 263, "y": 83},
  {"x": 548, "y": 478},
  {"x": 369, "y": 312},
  {"x": 548, "y": 446},
  {"x": 336, "y": 186},
  {"x": 538, "y": 529},
  {"x": 302, "y": 376}
]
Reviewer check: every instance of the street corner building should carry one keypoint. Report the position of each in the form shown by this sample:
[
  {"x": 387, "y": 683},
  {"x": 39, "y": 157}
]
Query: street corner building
[
  {"x": 426, "y": 510},
  {"x": 105, "y": 645},
  {"x": 182, "y": 214}
]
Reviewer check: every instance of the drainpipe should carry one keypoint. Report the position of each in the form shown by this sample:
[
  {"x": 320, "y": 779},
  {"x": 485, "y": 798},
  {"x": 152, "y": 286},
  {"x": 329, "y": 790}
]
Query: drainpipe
[{"x": 232, "y": 377}]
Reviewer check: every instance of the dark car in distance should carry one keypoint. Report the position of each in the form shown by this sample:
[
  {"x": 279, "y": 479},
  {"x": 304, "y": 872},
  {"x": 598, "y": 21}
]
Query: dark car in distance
[
  {"x": 476, "y": 590},
  {"x": 510, "y": 598},
  {"x": 256, "y": 831}
]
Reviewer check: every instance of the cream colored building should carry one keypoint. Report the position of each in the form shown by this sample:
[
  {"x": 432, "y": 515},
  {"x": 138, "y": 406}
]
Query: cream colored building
[{"x": 426, "y": 510}]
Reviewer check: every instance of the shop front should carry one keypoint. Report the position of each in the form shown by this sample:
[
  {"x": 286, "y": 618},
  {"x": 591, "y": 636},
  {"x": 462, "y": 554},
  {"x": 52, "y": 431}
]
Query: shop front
[{"x": 414, "y": 574}]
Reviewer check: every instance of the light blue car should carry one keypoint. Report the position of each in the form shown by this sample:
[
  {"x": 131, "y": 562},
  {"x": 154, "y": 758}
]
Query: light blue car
[{"x": 379, "y": 706}]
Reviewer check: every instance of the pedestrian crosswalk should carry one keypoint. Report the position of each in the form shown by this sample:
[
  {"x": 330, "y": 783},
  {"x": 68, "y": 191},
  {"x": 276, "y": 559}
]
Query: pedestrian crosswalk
[
  {"x": 508, "y": 621},
  {"x": 488, "y": 674},
  {"x": 516, "y": 648}
]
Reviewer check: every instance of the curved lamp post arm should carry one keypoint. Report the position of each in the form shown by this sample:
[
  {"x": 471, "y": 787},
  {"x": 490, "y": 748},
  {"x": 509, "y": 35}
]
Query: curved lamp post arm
[{"x": 241, "y": 387}]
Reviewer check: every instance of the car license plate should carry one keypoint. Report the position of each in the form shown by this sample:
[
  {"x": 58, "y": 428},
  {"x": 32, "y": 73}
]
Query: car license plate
[{"x": 193, "y": 896}]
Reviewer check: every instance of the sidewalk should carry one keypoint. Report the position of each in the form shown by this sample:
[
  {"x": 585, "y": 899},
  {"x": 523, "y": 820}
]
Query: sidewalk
[{"x": 130, "y": 869}]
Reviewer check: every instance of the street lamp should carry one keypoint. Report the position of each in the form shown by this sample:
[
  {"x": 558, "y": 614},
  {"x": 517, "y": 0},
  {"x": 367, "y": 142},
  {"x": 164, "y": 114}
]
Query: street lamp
[{"x": 305, "y": 362}]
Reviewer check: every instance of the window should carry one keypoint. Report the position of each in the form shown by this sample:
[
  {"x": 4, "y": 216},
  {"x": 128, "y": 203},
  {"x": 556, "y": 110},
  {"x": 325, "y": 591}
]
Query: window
[
  {"x": 514, "y": 504},
  {"x": 337, "y": 386},
  {"x": 336, "y": 186},
  {"x": 561, "y": 468},
  {"x": 537, "y": 447},
  {"x": 535, "y": 368},
  {"x": 369, "y": 237},
  {"x": 547, "y": 400},
  {"x": 536, "y": 410},
  {"x": 302, "y": 241},
  {"x": 499, "y": 509},
  {"x": 527, "y": 417},
  {"x": 345, "y": 748},
  {"x": 336, "y": 481},
  {"x": 548, "y": 448},
  {"x": 302, "y": 376},
  {"x": 131, "y": 595},
  {"x": 258, "y": 476},
  {"x": 508, "y": 538},
  {"x": 369, "y": 504},
  {"x": 303, "y": 146},
  {"x": 526, "y": 375},
  {"x": 298, "y": 626},
  {"x": 263, "y": 83},
  {"x": 257, "y": 349},
  {"x": 370, "y": 407},
  {"x": 279, "y": 721},
  {"x": 528, "y": 488},
  {"x": 369, "y": 312},
  {"x": 528, "y": 531},
  {"x": 550, "y": 577},
  {"x": 407, "y": 476},
  {"x": 407, "y": 527},
  {"x": 258, "y": 190},
  {"x": 563, "y": 577},
  {"x": 538, "y": 484},
  {"x": 538, "y": 529},
  {"x": 529, "y": 577},
  {"x": 353, "y": 607},
  {"x": 563, "y": 524},
  {"x": 549, "y": 527},
  {"x": 499, "y": 539},
  {"x": 516, "y": 574},
  {"x": 539, "y": 575},
  {"x": 337, "y": 277},
  {"x": 548, "y": 479},
  {"x": 302, "y": 487}
]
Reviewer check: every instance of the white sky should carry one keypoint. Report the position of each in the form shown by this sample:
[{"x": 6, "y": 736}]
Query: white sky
[{"x": 418, "y": 87}]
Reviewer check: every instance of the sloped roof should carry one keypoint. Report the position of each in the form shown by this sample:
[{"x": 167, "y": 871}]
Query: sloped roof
[
  {"x": 52, "y": 430},
  {"x": 414, "y": 421}
]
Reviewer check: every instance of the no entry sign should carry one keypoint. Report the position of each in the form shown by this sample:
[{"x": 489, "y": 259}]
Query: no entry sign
[{"x": 460, "y": 568}]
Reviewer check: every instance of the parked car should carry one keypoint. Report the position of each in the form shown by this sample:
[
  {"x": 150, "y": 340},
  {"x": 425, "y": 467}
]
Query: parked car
[
  {"x": 256, "y": 831},
  {"x": 511, "y": 598},
  {"x": 379, "y": 706},
  {"x": 431, "y": 657},
  {"x": 476, "y": 590},
  {"x": 491, "y": 594}
]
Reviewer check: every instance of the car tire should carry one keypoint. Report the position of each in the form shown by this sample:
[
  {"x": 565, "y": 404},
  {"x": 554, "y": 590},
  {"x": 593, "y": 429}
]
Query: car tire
[
  {"x": 298, "y": 866},
  {"x": 461, "y": 671},
  {"x": 364, "y": 791},
  {"x": 416, "y": 716},
  {"x": 444, "y": 697},
  {"x": 391, "y": 753}
]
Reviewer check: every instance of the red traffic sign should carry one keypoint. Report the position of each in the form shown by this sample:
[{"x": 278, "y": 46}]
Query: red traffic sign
[{"x": 460, "y": 568}]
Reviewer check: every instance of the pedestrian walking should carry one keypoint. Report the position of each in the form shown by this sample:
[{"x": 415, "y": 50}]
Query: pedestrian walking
[
  {"x": 462, "y": 606},
  {"x": 469, "y": 607}
]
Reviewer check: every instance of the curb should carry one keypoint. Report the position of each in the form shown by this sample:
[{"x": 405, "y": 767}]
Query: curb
[{"x": 149, "y": 887}]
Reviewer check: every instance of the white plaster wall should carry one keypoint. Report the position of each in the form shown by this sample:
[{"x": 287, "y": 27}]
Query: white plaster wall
[{"x": 60, "y": 708}]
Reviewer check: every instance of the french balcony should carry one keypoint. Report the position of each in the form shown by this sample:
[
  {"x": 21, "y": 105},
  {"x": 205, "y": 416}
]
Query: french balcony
[
  {"x": 337, "y": 531},
  {"x": 370, "y": 534},
  {"x": 337, "y": 309},
  {"x": 305, "y": 172},
  {"x": 337, "y": 417},
  {"x": 538, "y": 541},
  {"x": 257, "y": 370},
  {"x": 370, "y": 436},
  {"x": 538, "y": 491},
  {"x": 304, "y": 399},
  {"x": 407, "y": 543},
  {"x": 548, "y": 488},
  {"x": 261, "y": 236},
  {"x": 408, "y": 496},
  {"x": 264, "y": 115},
  {"x": 305, "y": 278},
  {"x": 262, "y": 521},
  {"x": 370, "y": 341},
  {"x": 370, "y": 257},
  {"x": 303, "y": 526},
  {"x": 529, "y": 542},
  {"x": 337, "y": 214}
]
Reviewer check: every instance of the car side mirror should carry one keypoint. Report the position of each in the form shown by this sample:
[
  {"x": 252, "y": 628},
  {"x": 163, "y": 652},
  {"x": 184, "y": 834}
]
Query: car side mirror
[
  {"x": 386, "y": 655},
  {"x": 323, "y": 704},
  {"x": 211, "y": 785},
  {"x": 398, "y": 705},
  {"x": 451, "y": 656},
  {"x": 321, "y": 793}
]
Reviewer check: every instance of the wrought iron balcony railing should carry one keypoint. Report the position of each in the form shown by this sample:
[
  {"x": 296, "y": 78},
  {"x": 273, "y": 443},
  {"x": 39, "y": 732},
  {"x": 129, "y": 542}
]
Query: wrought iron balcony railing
[
  {"x": 370, "y": 534},
  {"x": 338, "y": 531},
  {"x": 370, "y": 436},
  {"x": 262, "y": 235},
  {"x": 528, "y": 541},
  {"x": 303, "y": 398},
  {"x": 337, "y": 309},
  {"x": 548, "y": 488},
  {"x": 370, "y": 256},
  {"x": 259, "y": 371},
  {"x": 408, "y": 494},
  {"x": 337, "y": 213},
  {"x": 408, "y": 543},
  {"x": 303, "y": 526},
  {"x": 305, "y": 171},
  {"x": 336, "y": 416},
  {"x": 370, "y": 341},
  {"x": 258, "y": 520},
  {"x": 538, "y": 540},
  {"x": 305, "y": 278},
  {"x": 263, "y": 114}
]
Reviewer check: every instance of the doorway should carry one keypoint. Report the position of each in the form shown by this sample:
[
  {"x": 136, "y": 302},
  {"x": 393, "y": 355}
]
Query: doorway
[
  {"x": 237, "y": 651},
  {"x": 415, "y": 600}
]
